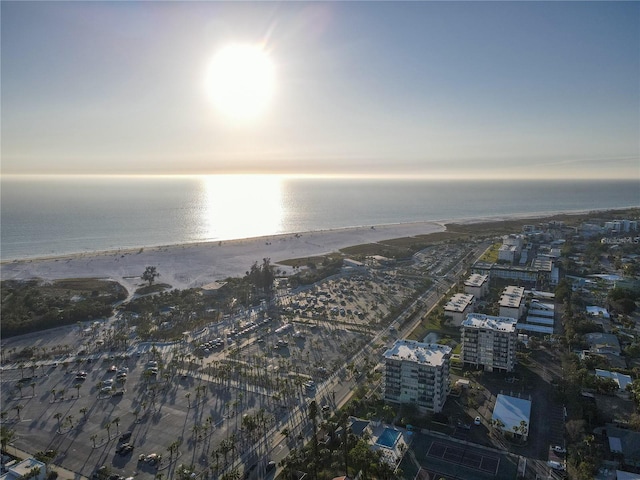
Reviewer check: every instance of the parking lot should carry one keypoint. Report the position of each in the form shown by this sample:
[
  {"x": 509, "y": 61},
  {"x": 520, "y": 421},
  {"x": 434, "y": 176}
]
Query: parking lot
[{"x": 203, "y": 408}]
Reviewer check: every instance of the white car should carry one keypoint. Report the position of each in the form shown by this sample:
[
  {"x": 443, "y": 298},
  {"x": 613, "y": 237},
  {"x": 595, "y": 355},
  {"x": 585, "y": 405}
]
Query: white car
[
  {"x": 556, "y": 465},
  {"x": 477, "y": 421},
  {"x": 558, "y": 449}
]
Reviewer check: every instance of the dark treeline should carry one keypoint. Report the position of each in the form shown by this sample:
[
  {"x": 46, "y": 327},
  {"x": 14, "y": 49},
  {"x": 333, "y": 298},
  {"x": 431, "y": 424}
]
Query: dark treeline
[{"x": 31, "y": 306}]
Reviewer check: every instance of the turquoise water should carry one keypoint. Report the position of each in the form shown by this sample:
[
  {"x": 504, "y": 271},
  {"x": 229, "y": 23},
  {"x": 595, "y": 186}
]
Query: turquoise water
[
  {"x": 388, "y": 438},
  {"x": 44, "y": 216}
]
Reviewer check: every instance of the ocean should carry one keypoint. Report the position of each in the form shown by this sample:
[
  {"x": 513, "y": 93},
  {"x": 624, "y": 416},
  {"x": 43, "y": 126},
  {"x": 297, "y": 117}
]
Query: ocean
[{"x": 49, "y": 216}]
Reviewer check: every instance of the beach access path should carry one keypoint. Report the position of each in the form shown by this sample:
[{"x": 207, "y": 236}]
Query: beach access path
[{"x": 194, "y": 265}]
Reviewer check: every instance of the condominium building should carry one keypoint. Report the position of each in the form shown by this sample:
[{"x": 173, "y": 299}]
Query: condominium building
[
  {"x": 489, "y": 342},
  {"x": 417, "y": 373},
  {"x": 511, "y": 248},
  {"x": 477, "y": 285},
  {"x": 529, "y": 275},
  {"x": 458, "y": 307},
  {"x": 512, "y": 302}
]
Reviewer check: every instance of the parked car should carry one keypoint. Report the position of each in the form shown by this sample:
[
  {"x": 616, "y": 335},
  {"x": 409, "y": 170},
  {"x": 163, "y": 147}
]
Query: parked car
[
  {"x": 124, "y": 449},
  {"x": 477, "y": 421},
  {"x": 270, "y": 466},
  {"x": 559, "y": 449},
  {"x": 556, "y": 465},
  {"x": 125, "y": 436}
]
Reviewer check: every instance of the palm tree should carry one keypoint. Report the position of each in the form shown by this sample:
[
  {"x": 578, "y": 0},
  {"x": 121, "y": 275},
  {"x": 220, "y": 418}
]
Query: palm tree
[
  {"x": 53, "y": 392},
  {"x": 84, "y": 411},
  {"x": 108, "y": 427},
  {"x": 77, "y": 387},
  {"x": 93, "y": 439},
  {"x": 117, "y": 422},
  {"x": 58, "y": 416},
  {"x": 523, "y": 428},
  {"x": 18, "y": 408},
  {"x": 33, "y": 388},
  {"x": 313, "y": 414},
  {"x": 6, "y": 435},
  {"x": 188, "y": 397}
]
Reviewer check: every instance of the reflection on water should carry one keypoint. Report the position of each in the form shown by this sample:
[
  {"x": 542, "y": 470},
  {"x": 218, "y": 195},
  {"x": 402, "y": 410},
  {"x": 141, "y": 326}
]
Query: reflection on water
[{"x": 240, "y": 206}]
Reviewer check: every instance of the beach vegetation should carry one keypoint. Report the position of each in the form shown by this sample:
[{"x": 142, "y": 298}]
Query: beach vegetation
[
  {"x": 155, "y": 288},
  {"x": 29, "y": 306},
  {"x": 150, "y": 274},
  {"x": 323, "y": 268},
  {"x": 261, "y": 277}
]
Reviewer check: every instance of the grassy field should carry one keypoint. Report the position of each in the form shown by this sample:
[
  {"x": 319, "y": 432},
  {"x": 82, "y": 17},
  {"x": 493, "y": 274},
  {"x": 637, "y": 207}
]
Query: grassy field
[{"x": 491, "y": 255}]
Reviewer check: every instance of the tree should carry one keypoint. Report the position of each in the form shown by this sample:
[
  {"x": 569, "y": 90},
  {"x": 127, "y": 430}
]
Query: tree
[
  {"x": 6, "y": 435},
  {"x": 58, "y": 416},
  {"x": 150, "y": 274},
  {"x": 313, "y": 414}
]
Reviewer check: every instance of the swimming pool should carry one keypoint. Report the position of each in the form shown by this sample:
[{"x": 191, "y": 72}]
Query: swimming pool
[{"x": 388, "y": 438}]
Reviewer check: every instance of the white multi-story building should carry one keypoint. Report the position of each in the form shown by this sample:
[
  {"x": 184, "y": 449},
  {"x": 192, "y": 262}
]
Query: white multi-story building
[
  {"x": 477, "y": 285},
  {"x": 512, "y": 302},
  {"x": 489, "y": 342},
  {"x": 417, "y": 373},
  {"x": 508, "y": 253},
  {"x": 511, "y": 247},
  {"x": 458, "y": 307}
]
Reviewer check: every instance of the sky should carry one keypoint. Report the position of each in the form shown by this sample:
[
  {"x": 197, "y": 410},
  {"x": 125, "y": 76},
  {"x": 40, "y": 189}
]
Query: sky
[{"x": 435, "y": 89}]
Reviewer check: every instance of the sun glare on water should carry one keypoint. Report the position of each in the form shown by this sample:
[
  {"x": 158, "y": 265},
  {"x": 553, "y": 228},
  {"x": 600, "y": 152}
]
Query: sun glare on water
[
  {"x": 241, "y": 206},
  {"x": 240, "y": 81}
]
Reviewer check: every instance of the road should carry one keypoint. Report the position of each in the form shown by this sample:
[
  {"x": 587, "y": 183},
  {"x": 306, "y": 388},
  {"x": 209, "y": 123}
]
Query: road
[{"x": 337, "y": 390}]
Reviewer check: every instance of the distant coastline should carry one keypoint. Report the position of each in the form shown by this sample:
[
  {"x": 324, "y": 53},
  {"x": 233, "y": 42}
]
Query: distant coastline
[
  {"x": 61, "y": 216},
  {"x": 197, "y": 264},
  {"x": 397, "y": 227}
]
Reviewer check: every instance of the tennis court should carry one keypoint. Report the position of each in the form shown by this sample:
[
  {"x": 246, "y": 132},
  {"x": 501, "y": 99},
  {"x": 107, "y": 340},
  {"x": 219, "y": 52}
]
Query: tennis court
[{"x": 465, "y": 456}]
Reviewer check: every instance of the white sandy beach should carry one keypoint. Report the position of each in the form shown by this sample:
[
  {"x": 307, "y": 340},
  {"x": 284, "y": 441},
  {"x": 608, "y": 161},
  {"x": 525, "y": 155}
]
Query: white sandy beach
[{"x": 195, "y": 265}]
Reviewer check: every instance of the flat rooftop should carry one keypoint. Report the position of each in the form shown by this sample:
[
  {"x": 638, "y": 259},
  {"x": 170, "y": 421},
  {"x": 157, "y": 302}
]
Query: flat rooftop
[
  {"x": 512, "y": 297},
  {"x": 431, "y": 354},
  {"x": 489, "y": 322},
  {"x": 459, "y": 302},
  {"x": 476, "y": 280}
]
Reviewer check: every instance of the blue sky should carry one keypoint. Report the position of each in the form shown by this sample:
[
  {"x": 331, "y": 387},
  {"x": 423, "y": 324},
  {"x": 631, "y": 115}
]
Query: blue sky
[{"x": 464, "y": 89}]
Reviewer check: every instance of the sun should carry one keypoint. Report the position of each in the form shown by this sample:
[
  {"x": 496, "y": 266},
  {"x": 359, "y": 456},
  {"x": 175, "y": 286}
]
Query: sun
[{"x": 240, "y": 81}]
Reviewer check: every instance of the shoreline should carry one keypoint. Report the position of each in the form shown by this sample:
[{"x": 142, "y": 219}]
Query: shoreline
[
  {"x": 442, "y": 223},
  {"x": 190, "y": 265},
  {"x": 197, "y": 264}
]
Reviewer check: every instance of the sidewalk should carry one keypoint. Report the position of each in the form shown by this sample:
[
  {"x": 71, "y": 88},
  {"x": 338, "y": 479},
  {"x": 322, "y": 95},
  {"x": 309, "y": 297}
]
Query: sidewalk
[{"x": 63, "y": 473}]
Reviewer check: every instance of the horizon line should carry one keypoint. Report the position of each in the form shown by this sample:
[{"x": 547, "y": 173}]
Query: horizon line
[{"x": 372, "y": 176}]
